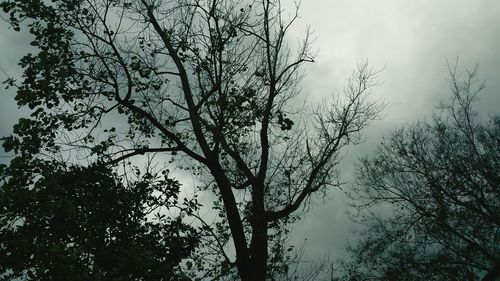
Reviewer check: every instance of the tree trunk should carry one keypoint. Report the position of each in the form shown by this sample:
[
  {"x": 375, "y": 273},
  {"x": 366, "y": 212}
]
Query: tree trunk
[
  {"x": 259, "y": 242},
  {"x": 258, "y": 250},
  {"x": 234, "y": 220}
]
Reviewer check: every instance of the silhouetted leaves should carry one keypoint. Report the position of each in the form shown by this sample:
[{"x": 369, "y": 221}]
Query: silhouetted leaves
[
  {"x": 81, "y": 223},
  {"x": 209, "y": 85}
]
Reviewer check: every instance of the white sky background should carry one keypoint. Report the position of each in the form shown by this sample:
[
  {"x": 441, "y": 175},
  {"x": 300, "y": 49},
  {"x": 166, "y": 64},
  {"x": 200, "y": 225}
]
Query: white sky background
[{"x": 411, "y": 40}]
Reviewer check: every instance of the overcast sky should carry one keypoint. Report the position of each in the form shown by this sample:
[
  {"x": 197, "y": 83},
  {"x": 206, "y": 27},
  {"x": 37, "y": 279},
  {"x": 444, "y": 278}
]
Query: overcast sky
[{"x": 411, "y": 40}]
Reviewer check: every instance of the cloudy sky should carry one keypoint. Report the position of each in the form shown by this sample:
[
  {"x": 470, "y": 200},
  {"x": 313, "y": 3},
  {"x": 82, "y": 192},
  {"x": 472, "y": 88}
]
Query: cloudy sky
[{"x": 411, "y": 40}]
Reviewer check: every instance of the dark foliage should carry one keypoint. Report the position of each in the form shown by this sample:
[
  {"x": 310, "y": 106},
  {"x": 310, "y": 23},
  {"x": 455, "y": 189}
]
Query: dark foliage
[
  {"x": 81, "y": 223},
  {"x": 209, "y": 87}
]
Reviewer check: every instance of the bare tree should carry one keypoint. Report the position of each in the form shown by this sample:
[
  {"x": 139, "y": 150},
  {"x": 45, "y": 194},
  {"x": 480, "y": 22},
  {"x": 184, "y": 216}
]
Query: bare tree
[
  {"x": 209, "y": 84},
  {"x": 439, "y": 182}
]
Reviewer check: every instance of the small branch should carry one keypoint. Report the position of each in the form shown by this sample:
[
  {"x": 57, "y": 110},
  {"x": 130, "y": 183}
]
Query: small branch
[{"x": 142, "y": 151}]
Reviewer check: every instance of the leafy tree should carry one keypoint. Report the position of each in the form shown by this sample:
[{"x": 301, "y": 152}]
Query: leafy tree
[
  {"x": 438, "y": 184},
  {"x": 210, "y": 87},
  {"x": 59, "y": 222}
]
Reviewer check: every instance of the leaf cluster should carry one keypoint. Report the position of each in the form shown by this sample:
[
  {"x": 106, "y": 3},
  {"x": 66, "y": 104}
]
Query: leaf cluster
[{"x": 59, "y": 221}]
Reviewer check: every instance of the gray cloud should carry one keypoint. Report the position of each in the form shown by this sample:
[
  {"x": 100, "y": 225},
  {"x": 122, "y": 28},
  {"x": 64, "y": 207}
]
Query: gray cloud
[{"x": 412, "y": 41}]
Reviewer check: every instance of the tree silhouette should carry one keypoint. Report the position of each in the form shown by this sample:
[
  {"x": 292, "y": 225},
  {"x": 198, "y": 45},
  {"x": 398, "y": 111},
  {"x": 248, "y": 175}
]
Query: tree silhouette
[
  {"x": 61, "y": 222},
  {"x": 439, "y": 184},
  {"x": 208, "y": 86}
]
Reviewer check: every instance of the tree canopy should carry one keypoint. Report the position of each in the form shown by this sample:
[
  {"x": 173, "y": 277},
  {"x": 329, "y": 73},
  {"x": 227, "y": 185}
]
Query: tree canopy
[
  {"x": 59, "y": 222},
  {"x": 438, "y": 184},
  {"x": 208, "y": 86}
]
